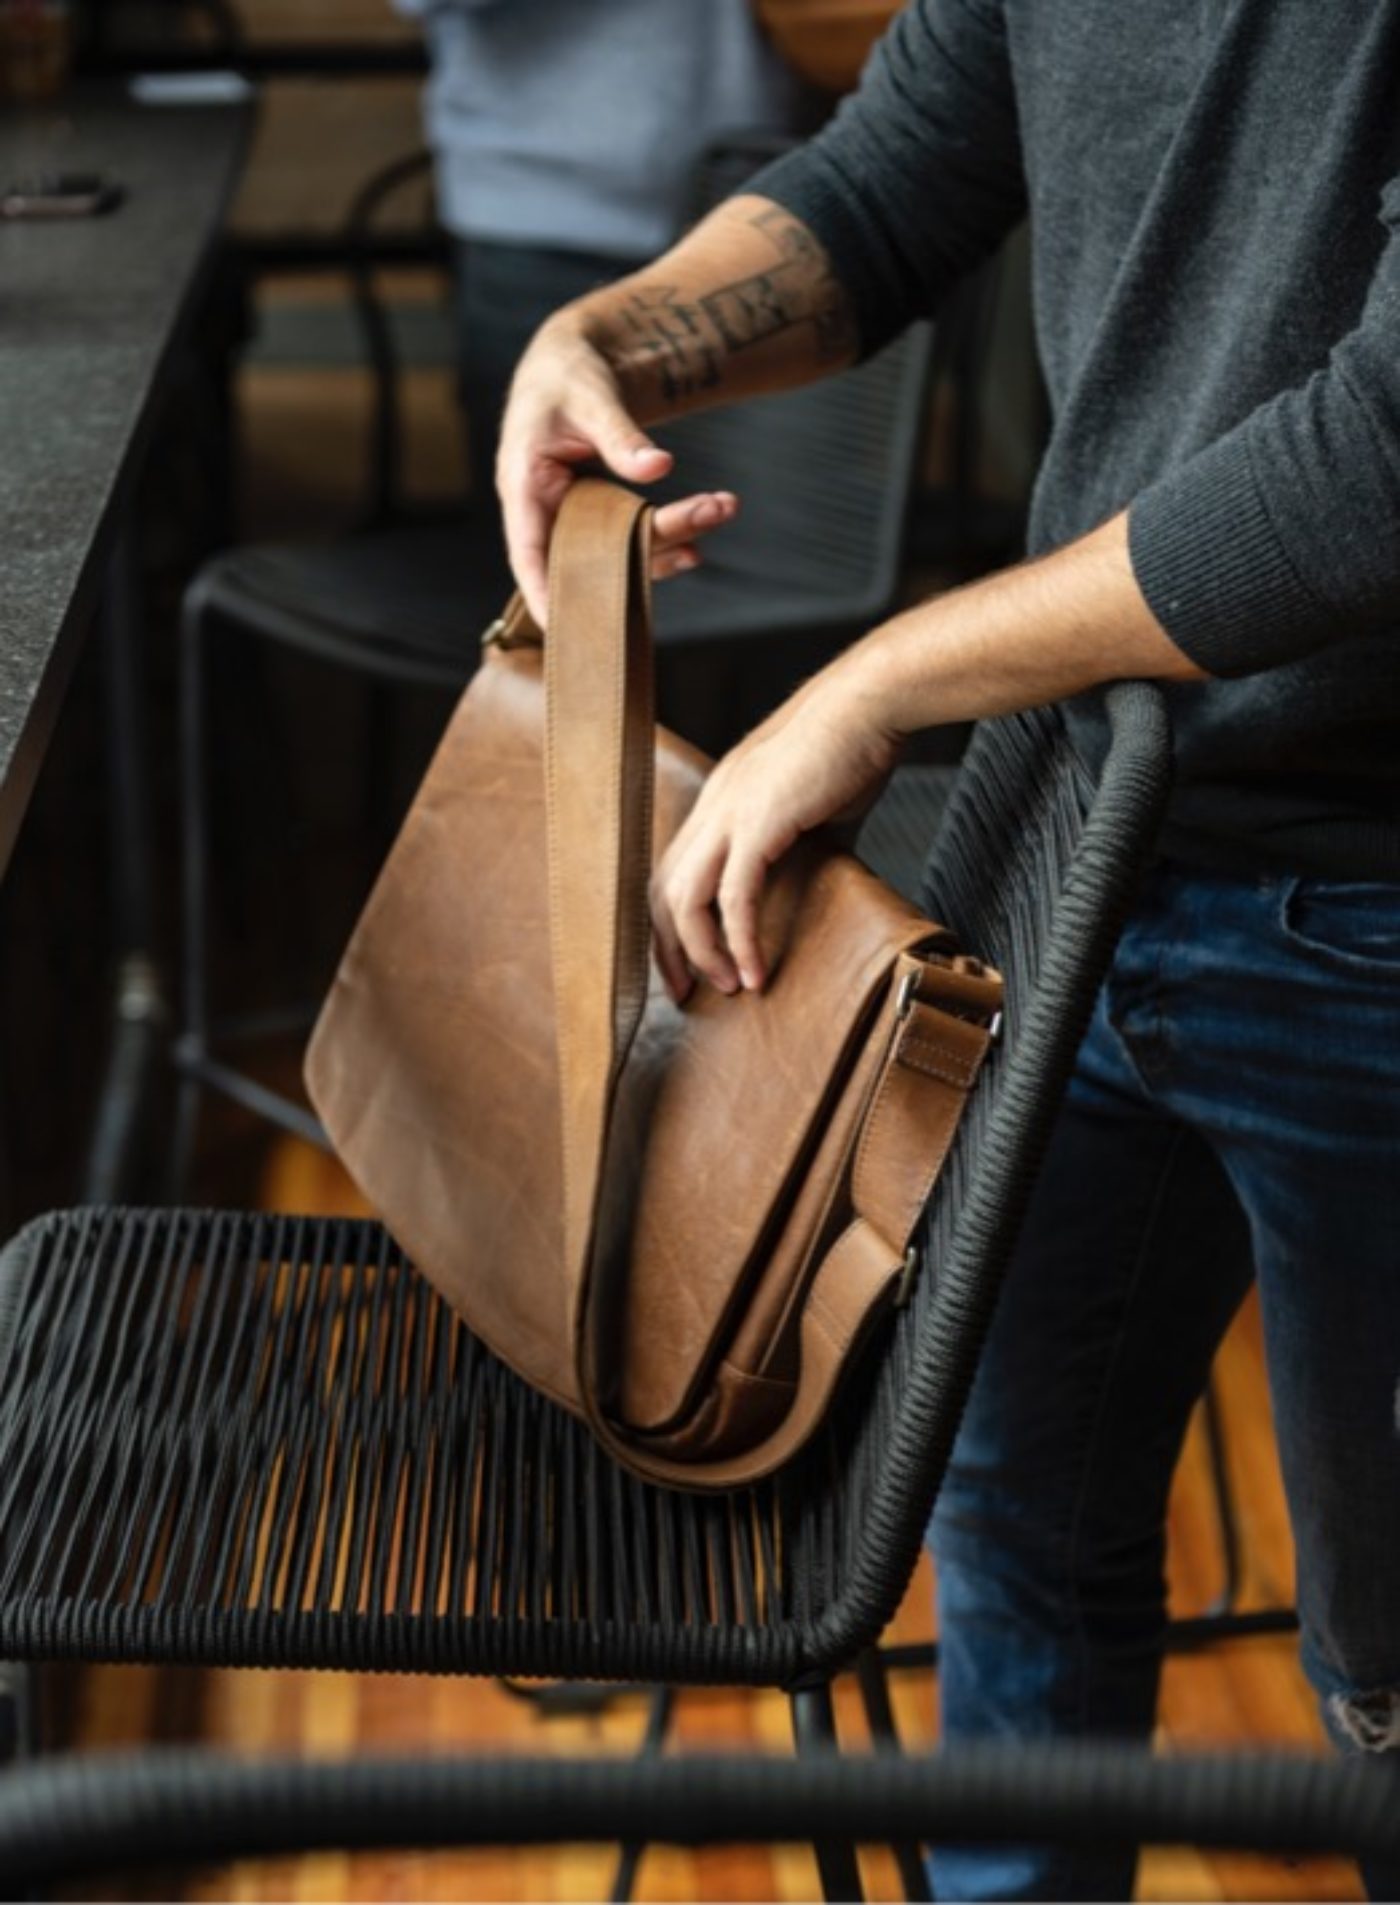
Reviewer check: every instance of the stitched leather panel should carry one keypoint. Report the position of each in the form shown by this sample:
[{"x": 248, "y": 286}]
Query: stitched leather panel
[{"x": 752, "y": 1085}]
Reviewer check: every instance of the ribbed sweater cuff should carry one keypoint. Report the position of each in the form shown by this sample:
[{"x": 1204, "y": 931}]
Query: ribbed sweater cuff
[{"x": 1214, "y": 570}]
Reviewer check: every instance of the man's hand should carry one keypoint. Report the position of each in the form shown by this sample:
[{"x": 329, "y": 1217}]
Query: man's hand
[
  {"x": 566, "y": 408},
  {"x": 824, "y": 755},
  {"x": 745, "y": 303},
  {"x": 1028, "y": 636}
]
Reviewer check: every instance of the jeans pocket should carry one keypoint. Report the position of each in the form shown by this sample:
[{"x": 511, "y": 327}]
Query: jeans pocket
[{"x": 1352, "y": 924}]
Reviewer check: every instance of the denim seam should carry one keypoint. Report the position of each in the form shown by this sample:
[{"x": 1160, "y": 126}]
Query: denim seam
[{"x": 1091, "y": 1457}]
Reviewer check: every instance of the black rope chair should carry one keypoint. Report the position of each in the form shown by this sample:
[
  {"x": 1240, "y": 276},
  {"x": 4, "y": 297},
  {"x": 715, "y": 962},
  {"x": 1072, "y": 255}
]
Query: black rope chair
[
  {"x": 262, "y": 1440},
  {"x": 91, "y": 1818}
]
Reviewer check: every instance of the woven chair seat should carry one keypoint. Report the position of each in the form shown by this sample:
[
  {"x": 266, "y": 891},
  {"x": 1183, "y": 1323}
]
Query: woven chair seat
[{"x": 264, "y": 1440}]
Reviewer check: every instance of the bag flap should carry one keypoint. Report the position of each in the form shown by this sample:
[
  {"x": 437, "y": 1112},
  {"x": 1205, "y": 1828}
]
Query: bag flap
[{"x": 730, "y": 1120}]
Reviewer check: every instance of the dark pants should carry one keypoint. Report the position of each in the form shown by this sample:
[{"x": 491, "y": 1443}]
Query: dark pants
[
  {"x": 1236, "y": 1106},
  {"x": 504, "y": 294}
]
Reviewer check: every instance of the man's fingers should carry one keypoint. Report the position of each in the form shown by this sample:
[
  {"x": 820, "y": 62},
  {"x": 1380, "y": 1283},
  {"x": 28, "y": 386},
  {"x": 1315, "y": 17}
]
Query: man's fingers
[
  {"x": 695, "y": 516},
  {"x": 699, "y": 936},
  {"x": 684, "y": 895},
  {"x": 669, "y": 956},
  {"x": 668, "y": 562},
  {"x": 739, "y": 894},
  {"x": 528, "y": 524}
]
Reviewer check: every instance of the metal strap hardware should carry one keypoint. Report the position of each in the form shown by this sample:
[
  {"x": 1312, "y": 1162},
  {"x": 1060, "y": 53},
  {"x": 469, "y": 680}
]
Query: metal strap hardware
[
  {"x": 498, "y": 634},
  {"x": 909, "y": 992}
]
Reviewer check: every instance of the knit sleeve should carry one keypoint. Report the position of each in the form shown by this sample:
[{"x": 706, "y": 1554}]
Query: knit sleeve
[
  {"x": 918, "y": 176},
  {"x": 1284, "y": 534}
]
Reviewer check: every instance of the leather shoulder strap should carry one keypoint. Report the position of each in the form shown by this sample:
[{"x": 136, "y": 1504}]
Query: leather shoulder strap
[
  {"x": 599, "y": 772},
  {"x": 599, "y": 768}
]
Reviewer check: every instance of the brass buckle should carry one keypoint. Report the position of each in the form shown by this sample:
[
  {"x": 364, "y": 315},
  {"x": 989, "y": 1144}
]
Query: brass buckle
[
  {"x": 499, "y": 635},
  {"x": 909, "y": 991}
]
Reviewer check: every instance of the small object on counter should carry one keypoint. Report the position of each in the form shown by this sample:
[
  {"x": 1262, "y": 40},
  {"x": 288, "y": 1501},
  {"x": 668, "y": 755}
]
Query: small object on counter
[
  {"x": 59, "y": 195},
  {"x": 217, "y": 88}
]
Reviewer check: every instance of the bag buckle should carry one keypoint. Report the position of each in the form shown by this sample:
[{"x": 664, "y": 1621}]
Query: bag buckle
[
  {"x": 506, "y": 632},
  {"x": 909, "y": 991}
]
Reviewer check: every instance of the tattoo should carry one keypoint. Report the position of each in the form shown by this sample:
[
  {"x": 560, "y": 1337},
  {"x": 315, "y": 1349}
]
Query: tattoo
[
  {"x": 670, "y": 338},
  {"x": 686, "y": 344}
]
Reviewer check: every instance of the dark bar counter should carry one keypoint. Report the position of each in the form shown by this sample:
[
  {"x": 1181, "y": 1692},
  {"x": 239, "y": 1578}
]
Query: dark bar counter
[{"x": 91, "y": 312}]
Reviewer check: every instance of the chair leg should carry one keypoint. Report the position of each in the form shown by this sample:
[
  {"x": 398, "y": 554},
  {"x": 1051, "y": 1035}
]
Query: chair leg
[
  {"x": 875, "y": 1697},
  {"x": 1223, "y": 1490},
  {"x": 184, "y": 1129},
  {"x": 20, "y": 1733},
  {"x": 193, "y": 1028},
  {"x": 814, "y": 1731},
  {"x": 663, "y": 1701},
  {"x": 116, "y": 1157}
]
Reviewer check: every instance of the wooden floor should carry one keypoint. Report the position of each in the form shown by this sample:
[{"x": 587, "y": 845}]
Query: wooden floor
[{"x": 1247, "y": 1693}]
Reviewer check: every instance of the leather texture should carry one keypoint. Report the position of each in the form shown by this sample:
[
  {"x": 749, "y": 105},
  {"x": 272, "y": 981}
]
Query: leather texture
[{"x": 681, "y": 1223}]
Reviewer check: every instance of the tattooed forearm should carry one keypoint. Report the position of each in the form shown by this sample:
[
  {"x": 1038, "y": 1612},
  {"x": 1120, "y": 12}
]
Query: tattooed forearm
[
  {"x": 684, "y": 342},
  {"x": 669, "y": 338}
]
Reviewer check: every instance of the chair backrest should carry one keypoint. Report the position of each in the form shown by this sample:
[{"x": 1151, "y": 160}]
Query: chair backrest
[
  {"x": 1034, "y": 866},
  {"x": 825, "y": 475},
  {"x": 384, "y": 502}
]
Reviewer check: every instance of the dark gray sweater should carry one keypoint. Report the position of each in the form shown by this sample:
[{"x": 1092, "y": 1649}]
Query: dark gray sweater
[{"x": 1214, "y": 196}]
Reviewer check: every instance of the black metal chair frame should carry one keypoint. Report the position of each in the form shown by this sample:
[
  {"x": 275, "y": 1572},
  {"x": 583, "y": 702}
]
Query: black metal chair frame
[
  {"x": 97, "y": 1817},
  {"x": 894, "y": 841}
]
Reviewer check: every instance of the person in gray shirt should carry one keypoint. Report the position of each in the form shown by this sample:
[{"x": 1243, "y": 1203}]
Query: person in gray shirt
[
  {"x": 1214, "y": 198},
  {"x": 567, "y": 136}
]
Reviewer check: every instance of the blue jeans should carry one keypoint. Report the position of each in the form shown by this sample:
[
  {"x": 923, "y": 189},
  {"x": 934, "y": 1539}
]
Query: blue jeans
[{"x": 1235, "y": 1110}]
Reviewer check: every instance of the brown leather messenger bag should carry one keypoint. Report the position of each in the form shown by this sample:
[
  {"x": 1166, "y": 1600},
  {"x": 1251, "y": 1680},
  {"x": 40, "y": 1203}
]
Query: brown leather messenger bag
[{"x": 681, "y": 1223}]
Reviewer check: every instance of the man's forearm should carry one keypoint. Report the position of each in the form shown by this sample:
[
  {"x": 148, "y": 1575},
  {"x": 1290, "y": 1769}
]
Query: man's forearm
[
  {"x": 745, "y": 303},
  {"x": 1019, "y": 639}
]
